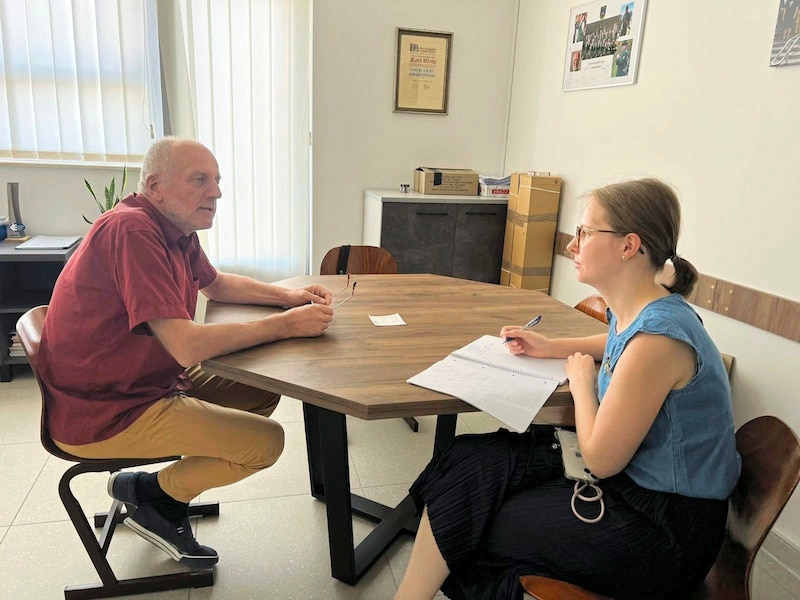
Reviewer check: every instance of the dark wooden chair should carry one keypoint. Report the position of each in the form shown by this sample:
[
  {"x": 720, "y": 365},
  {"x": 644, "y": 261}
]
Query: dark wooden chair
[
  {"x": 357, "y": 260},
  {"x": 361, "y": 260},
  {"x": 594, "y": 306},
  {"x": 770, "y": 453},
  {"x": 29, "y": 329}
]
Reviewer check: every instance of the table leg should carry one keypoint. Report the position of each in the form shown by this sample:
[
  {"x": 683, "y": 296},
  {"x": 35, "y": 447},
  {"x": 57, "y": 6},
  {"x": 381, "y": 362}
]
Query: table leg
[
  {"x": 311, "y": 420},
  {"x": 326, "y": 441}
]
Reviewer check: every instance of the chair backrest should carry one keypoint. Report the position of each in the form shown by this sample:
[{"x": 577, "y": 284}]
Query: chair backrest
[
  {"x": 770, "y": 453},
  {"x": 361, "y": 260},
  {"x": 594, "y": 306},
  {"x": 29, "y": 330}
]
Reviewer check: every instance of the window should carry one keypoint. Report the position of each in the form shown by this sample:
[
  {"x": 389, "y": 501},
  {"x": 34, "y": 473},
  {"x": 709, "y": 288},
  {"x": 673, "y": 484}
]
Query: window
[{"x": 79, "y": 81}]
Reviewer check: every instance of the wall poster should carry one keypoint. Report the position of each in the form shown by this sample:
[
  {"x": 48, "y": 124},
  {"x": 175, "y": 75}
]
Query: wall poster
[
  {"x": 422, "y": 71},
  {"x": 786, "y": 41},
  {"x": 603, "y": 43}
]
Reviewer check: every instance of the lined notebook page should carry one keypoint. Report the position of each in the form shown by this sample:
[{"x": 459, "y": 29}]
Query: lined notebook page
[{"x": 510, "y": 388}]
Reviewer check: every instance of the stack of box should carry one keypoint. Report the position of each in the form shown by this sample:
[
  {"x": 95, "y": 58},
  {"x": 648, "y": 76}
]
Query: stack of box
[{"x": 531, "y": 225}]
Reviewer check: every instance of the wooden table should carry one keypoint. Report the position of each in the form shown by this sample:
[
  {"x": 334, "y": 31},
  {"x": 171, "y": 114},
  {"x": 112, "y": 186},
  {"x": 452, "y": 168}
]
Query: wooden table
[{"x": 359, "y": 369}]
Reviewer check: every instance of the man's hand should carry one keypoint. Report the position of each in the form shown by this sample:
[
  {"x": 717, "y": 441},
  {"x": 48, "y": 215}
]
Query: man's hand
[
  {"x": 308, "y": 320},
  {"x": 310, "y": 294}
]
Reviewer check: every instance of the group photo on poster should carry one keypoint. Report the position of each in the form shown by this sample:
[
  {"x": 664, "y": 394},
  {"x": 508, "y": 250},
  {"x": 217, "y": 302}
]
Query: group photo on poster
[{"x": 603, "y": 44}]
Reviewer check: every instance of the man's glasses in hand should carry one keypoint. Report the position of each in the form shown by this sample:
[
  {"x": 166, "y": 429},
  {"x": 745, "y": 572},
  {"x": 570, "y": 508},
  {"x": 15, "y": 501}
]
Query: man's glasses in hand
[
  {"x": 352, "y": 293},
  {"x": 346, "y": 285}
]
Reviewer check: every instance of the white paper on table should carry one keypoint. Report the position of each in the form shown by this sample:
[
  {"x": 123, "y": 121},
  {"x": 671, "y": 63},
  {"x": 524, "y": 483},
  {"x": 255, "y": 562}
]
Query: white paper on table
[{"x": 387, "y": 320}]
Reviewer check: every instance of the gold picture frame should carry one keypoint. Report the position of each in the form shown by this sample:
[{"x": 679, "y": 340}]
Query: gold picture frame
[{"x": 422, "y": 71}]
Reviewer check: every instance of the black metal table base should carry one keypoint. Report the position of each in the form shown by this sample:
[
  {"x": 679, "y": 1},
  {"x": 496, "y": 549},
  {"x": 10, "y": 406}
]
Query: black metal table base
[{"x": 326, "y": 440}]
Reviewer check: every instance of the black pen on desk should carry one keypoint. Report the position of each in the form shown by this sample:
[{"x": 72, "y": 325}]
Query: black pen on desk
[{"x": 527, "y": 325}]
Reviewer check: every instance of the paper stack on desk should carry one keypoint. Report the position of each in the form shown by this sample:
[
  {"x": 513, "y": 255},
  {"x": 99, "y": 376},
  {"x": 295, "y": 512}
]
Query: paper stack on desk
[
  {"x": 486, "y": 375},
  {"x": 49, "y": 242}
]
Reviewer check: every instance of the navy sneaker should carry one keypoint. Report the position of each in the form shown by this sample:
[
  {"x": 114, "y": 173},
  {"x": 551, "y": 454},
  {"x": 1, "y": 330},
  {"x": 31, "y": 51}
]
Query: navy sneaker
[
  {"x": 122, "y": 486},
  {"x": 176, "y": 540}
]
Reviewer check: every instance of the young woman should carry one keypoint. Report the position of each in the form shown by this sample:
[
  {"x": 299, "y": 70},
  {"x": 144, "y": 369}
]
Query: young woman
[{"x": 655, "y": 425}]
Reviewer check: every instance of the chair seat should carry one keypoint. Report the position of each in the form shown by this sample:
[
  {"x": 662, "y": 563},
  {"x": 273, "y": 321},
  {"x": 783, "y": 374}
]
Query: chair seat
[
  {"x": 770, "y": 452},
  {"x": 29, "y": 329}
]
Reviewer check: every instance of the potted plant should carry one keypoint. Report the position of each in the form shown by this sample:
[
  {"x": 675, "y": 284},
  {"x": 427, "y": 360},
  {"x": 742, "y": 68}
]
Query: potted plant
[{"x": 111, "y": 200}]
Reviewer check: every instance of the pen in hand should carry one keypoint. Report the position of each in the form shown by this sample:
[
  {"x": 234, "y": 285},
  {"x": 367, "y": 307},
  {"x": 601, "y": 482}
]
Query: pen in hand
[{"x": 527, "y": 325}]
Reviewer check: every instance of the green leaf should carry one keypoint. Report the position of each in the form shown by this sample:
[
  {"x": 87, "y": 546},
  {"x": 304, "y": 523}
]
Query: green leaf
[
  {"x": 109, "y": 196},
  {"x": 91, "y": 191},
  {"x": 87, "y": 220}
]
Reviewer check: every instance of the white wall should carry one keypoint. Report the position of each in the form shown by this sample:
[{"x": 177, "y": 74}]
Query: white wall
[
  {"x": 53, "y": 198},
  {"x": 360, "y": 143},
  {"x": 709, "y": 116}
]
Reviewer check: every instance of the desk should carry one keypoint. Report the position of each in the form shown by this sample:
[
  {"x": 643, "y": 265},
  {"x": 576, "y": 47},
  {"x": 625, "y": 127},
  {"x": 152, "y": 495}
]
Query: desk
[
  {"x": 27, "y": 278},
  {"x": 361, "y": 370}
]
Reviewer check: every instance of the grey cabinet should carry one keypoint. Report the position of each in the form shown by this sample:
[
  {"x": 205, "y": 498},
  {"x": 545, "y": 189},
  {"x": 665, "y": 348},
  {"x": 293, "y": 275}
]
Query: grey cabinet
[
  {"x": 27, "y": 278},
  {"x": 459, "y": 236}
]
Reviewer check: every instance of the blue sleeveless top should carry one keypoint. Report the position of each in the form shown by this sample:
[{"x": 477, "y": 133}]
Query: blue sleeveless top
[{"x": 691, "y": 447}]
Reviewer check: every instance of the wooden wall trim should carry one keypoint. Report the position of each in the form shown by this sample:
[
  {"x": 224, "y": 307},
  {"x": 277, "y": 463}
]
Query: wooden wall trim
[{"x": 775, "y": 314}]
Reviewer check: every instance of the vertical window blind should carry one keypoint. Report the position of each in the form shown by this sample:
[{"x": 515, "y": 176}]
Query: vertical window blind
[
  {"x": 248, "y": 68},
  {"x": 79, "y": 80}
]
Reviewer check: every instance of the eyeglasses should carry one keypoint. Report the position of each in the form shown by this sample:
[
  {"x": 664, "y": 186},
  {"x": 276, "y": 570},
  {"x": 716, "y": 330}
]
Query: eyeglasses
[
  {"x": 352, "y": 293},
  {"x": 346, "y": 285},
  {"x": 581, "y": 231}
]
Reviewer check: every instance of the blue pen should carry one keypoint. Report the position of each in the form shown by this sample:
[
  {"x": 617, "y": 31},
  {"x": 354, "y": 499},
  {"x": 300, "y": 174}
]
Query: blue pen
[{"x": 527, "y": 325}]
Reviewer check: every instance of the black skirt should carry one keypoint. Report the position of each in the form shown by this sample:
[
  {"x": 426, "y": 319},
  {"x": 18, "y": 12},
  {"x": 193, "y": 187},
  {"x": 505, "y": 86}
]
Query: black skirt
[{"x": 499, "y": 508}]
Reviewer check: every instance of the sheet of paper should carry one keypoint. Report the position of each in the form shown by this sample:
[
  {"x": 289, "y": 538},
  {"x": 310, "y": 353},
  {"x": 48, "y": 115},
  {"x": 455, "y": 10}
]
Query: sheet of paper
[
  {"x": 48, "y": 242},
  {"x": 387, "y": 320},
  {"x": 511, "y": 398},
  {"x": 491, "y": 349}
]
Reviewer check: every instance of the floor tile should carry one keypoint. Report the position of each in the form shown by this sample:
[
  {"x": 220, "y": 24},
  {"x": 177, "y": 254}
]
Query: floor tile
[
  {"x": 374, "y": 447},
  {"x": 278, "y": 548},
  {"x": 38, "y": 561},
  {"x": 778, "y": 571},
  {"x": 764, "y": 587},
  {"x": 20, "y": 464},
  {"x": 289, "y": 411},
  {"x": 20, "y": 409}
]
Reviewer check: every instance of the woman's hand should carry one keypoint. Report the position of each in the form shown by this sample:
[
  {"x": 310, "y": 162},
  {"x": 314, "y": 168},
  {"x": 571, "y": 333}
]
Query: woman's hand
[
  {"x": 525, "y": 342},
  {"x": 581, "y": 371}
]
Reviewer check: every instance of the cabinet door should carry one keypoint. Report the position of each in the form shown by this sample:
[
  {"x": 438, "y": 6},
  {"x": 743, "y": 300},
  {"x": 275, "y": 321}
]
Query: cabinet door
[
  {"x": 420, "y": 236},
  {"x": 478, "y": 248}
]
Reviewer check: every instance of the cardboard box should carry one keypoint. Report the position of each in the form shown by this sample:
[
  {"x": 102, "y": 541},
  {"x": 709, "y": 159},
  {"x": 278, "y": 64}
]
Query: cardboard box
[
  {"x": 428, "y": 180},
  {"x": 533, "y": 202},
  {"x": 494, "y": 191}
]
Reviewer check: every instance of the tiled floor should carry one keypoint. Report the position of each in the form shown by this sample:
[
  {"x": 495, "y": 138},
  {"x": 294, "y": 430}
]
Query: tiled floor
[{"x": 271, "y": 535}]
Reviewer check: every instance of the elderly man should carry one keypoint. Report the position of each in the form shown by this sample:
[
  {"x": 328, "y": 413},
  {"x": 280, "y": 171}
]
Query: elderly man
[{"x": 120, "y": 352}]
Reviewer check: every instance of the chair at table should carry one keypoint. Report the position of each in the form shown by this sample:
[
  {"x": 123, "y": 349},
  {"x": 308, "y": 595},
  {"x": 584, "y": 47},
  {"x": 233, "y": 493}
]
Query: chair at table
[
  {"x": 594, "y": 306},
  {"x": 770, "y": 453},
  {"x": 29, "y": 330},
  {"x": 359, "y": 260}
]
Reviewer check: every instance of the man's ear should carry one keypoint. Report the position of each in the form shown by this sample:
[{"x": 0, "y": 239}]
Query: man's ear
[{"x": 153, "y": 187}]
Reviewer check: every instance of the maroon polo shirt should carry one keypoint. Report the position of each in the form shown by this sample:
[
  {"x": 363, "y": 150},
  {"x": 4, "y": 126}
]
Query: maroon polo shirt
[{"x": 99, "y": 362}]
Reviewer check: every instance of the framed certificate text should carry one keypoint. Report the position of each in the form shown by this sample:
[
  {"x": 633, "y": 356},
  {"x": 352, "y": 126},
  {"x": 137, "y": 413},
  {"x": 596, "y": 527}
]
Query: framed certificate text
[{"x": 422, "y": 71}]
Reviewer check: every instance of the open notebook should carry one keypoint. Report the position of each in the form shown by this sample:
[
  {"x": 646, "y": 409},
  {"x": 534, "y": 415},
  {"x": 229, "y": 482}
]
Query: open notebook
[{"x": 486, "y": 375}]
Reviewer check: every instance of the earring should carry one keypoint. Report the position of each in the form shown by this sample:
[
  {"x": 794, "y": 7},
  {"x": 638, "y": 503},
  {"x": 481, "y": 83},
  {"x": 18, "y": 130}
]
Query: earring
[{"x": 624, "y": 257}]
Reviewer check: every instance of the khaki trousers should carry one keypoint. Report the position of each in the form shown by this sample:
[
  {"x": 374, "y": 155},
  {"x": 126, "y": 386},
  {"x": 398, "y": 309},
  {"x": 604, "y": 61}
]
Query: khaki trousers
[{"x": 221, "y": 431}]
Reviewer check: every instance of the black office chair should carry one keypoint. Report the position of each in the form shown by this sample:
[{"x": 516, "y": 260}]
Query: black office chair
[
  {"x": 29, "y": 329},
  {"x": 361, "y": 260}
]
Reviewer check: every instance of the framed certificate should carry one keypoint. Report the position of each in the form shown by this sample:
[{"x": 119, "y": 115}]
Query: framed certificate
[{"x": 422, "y": 71}]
